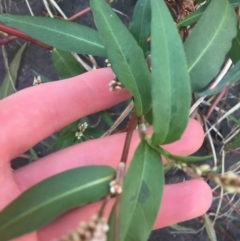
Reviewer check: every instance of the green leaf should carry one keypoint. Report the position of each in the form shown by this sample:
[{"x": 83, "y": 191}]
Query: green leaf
[
  {"x": 195, "y": 16},
  {"x": 124, "y": 54},
  {"x": 231, "y": 77},
  {"x": 171, "y": 93},
  {"x": 107, "y": 118},
  {"x": 140, "y": 24},
  {"x": 190, "y": 158},
  {"x": 209, "y": 228},
  {"x": 44, "y": 79},
  {"x": 209, "y": 42},
  {"x": 141, "y": 197},
  {"x": 192, "y": 18},
  {"x": 181, "y": 228},
  {"x": 169, "y": 155},
  {"x": 235, "y": 3},
  {"x": 149, "y": 117},
  {"x": 66, "y": 137},
  {"x": 65, "y": 64},
  {"x": 235, "y": 143},
  {"x": 33, "y": 153},
  {"x": 6, "y": 87},
  {"x": 52, "y": 197},
  {"x": 61, "y": 34},
  {"x": 67, "y": 140},
  {"x": 234, "y": 52}
]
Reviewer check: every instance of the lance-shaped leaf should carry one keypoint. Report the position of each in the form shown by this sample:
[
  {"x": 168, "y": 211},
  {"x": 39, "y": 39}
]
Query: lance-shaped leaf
[
  {"x": 124, "y": 54},
  {"x": 170, "y": 80},
  {"x": 209, "y": 228},
  {"x": 140, "y": 24},
  {"x": 192, "y": 18},
  {"x": 65, "y": 64},
  {"x": 235, "y": 3},
  {"x": 235, "y": 143},
  {"x": 231, "y": 77},
  {"x": 52, "y": 197},
  {"x": 209, "y": 42},
  {"x": 234, "y": 52},
  {"x": 195, "y": 16},
  {"x": 62, "y": 34},
  {"x": 141, "y": 197},
  {"x": 6, "y": 87},
  {"x": 183, "y": 229}
]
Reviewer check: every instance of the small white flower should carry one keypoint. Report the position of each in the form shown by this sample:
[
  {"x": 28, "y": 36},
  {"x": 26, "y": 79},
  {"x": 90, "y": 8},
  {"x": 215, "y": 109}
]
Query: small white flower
[
  {"x": 37, "y": 81},
  {"x": 81, "y": 129}
]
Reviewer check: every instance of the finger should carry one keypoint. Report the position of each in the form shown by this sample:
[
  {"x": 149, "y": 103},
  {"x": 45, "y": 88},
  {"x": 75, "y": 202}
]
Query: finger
[
  {"x": 27, "y": 237},
  {"x": 105, "y": 151},
  {"x": 180, "y": 202},
  {"x": 34, "y": 113}
]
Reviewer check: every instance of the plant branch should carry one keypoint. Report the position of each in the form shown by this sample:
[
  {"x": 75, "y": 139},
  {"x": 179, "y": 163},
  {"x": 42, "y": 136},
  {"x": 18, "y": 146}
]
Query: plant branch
[
  {"x": 7, "y": 39},
  {"x": 130, "y": 129},
  {"x": 19, "y": 34},
  {"x": 80, "y": 14}
]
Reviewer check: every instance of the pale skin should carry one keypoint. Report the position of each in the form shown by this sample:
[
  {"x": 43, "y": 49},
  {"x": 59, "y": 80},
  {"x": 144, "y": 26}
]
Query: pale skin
[{"x": 35, "y": 113}]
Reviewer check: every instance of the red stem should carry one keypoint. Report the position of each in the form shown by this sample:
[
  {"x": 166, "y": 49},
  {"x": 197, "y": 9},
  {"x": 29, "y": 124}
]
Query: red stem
[
  {"x": 7, "y": 39},
  {"x": 19, "y": 34},
  {"x": 80, "y": 14}
]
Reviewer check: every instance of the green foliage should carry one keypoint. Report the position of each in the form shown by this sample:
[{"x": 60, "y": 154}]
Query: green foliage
[
  {"x": 193, "y": 18},
  {"x": 235, "y": 143},
  {"x": 189, "y": 158},
  {"x": 44, "y": 79},
  {"x": 6, "y": 87},
  {"x": 67, "y": 136},
  {"x": 65, "y": 64},
  {"x": 234, "y": 52},
  {"x": 235, "y": 3},
  {"x": 231, "y": 77},
  {"x": 209, "y": 228},
  {"x": 209, "y": 42},
  {"x": 122, "y": 50},
  {"x": 170, "y": 156},
  {"x": 140, "y": 27},
  {"x": 162, "y": 95},
  {"x": 142, "y": 195},
  {"x": 52, "y": 197},
  {"x": 170, "y": 80},
  {"x": 181, "y": 228},
  {"x": 107, "y": 118},
  {"x": 61, "y": 34}
]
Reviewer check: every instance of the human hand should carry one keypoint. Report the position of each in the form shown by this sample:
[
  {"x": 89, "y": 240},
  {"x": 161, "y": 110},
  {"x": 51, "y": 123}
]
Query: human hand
[{"x": 33, "y": 114}]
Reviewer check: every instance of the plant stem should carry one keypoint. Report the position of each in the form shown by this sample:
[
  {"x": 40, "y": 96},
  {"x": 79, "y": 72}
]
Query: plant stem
[
  {"x": 19, "y": 34},
  {"x": 130, "y": 129},
  {"x": 80, "y": 14},
  {"x": 7, "y": 39}
]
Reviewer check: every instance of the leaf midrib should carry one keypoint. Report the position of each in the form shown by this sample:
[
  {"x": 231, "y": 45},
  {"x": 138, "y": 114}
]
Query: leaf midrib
[
  {"x": 142, "y": 18},
  {"x": 139, "y": 188},
  {"x": 210, "y": 42},
  {"x": 48, "y": 202},
  {"x": 64, "y": 62},
  {"x": 129, "y": 69},
  {"x": 168, "y": 70}
]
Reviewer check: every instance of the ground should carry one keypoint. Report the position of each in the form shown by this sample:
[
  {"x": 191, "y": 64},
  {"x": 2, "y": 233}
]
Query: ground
[{"x": 35, "y": 58}]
